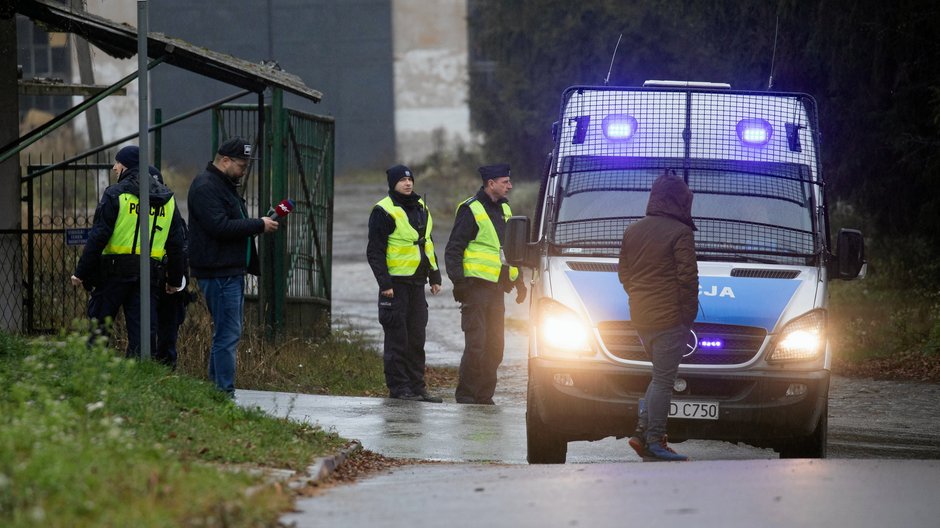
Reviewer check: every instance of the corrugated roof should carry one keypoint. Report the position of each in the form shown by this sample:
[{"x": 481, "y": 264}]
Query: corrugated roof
[{"x": 120, "y": 40}]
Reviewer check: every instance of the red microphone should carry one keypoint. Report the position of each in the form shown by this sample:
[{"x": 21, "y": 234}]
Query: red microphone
[{"x": 282, "y": 209}]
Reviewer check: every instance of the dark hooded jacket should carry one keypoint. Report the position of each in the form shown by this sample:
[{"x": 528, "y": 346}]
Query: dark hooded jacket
[
  {"x": 90, "y": 267},
  {"x": 658, "y": 267}
]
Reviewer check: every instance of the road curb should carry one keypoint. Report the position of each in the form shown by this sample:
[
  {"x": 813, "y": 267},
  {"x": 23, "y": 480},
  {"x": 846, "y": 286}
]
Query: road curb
[{"x": 323, "y": 467}]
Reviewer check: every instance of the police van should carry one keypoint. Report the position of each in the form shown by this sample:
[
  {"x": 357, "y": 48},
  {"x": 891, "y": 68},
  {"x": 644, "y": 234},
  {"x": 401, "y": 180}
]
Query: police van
[{"x": 758, "y": 364}]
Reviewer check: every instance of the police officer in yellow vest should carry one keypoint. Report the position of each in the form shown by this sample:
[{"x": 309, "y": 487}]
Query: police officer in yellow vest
[
  {"x": 401, "y": 255},
  {"x": 474, "y": 264},
  {"x": 110, "y": 263}
]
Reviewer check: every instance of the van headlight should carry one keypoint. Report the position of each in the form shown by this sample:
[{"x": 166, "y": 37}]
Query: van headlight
[
  {"x": 802, "y": 339},
  {"x": 563, "y": 331}
]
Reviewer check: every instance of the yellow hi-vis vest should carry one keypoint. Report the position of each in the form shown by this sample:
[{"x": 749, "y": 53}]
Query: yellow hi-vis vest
[
  {"x": 401, "y": 254},
  {"x": 124, "y": 241},
  {"x": 481, "y": 258}
]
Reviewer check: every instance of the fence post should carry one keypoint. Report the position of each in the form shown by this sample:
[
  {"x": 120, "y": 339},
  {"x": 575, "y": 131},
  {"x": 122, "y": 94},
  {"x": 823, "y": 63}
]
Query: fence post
[{"x": 275, "y": 247}]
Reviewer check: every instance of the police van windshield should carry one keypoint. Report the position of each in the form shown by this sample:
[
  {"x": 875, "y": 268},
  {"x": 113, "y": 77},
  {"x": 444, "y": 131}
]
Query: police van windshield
[{"x": 744, "y": 211}]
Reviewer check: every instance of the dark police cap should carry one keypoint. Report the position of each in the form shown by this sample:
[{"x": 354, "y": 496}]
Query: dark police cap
[
  {"x": 490, "y": 172},
  {"x": 237, "y": 147}
]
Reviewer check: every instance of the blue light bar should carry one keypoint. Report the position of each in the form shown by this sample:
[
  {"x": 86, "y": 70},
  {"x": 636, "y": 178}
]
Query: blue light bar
[
  {"x": 754, "y": 132},
  {"x": 619, "y": 127},
  {"x": 711, "y": 343}
]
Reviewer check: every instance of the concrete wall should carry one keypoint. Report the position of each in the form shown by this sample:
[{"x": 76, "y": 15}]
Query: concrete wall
[
  {"x": 393, "y": 72},
  {"x": 431, "y": 79},
  {"x": 342, "y": 49}
]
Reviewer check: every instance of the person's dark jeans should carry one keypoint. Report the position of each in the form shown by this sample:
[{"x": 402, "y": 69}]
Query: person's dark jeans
[
  {"x": 665, "y": 348},
  {"x": 115, "y": 294},
  {"x": 482, "y": 318},
  {"x": 225, "y": 297},
  {"x": 404, "y": 319}
]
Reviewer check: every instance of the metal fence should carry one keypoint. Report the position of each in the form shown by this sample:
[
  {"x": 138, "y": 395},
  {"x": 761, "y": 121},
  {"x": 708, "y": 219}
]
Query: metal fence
[
  {"x": 58, "y": 210},
  {"x": 292, "y": 296},
  {"x": 293, "y": 293}
]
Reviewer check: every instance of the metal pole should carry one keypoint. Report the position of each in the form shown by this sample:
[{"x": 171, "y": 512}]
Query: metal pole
[{"x": 143, "y": 213}]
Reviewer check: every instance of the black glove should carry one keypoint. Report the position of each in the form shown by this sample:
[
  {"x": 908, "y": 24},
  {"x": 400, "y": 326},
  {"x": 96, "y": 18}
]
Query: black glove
[
  {"x": 520, "y": 292},
  {"x": 461, "y": 291}
]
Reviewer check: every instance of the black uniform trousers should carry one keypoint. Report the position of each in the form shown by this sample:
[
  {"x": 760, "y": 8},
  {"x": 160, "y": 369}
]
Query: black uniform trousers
[
  {"x": 404, "y": 318},
  {"x": 482, "y": 319},
  {"x": 171, "y": 312},
  {"x": 116, "y": 293}
]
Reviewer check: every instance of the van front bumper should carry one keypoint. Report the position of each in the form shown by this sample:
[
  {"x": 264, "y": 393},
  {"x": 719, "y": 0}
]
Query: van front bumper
[{"x": 591, "y": 401}]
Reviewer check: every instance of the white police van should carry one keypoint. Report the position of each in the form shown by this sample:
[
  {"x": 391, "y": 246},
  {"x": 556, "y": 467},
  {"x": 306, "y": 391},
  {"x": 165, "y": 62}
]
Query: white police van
[{"x": 757, "y": 370}]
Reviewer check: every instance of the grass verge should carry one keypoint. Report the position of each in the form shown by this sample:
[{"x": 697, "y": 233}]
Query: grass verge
[
  {"x": 883, "y": 332},
  {"x": 88, "y": 439},
  {"x": 343, "y": 362}
]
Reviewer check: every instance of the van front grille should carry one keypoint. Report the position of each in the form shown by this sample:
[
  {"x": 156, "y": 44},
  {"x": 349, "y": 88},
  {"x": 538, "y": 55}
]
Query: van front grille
[
  {"x": 759, "y": 273},
  {"x": 577, "y": 265},
  {"x": 738, "y": 344}
]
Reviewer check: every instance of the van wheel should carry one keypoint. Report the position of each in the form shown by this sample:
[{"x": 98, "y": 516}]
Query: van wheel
[
  {"x": 812, "y": 446},
  {"x": 544, "y": 445}
]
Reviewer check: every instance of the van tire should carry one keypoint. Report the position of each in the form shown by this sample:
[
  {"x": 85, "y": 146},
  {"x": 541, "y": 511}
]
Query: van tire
[
  {"x": 812, "y": 446},
  {"x": 543, "y": 445}
]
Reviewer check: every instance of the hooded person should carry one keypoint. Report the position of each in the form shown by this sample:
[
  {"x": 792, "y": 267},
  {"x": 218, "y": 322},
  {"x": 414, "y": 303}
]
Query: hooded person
[
  {"x": 109, "y": 266},
  {"x": 401, "y": 254},
  {"x": 659, "y": 271}
]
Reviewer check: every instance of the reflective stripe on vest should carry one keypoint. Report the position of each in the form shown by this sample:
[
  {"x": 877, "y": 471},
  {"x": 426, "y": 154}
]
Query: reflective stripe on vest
[
  {"x": 124, "y": 241},
  {"x": 481, "y": 258},
  {"x": 401, "y": 253}
]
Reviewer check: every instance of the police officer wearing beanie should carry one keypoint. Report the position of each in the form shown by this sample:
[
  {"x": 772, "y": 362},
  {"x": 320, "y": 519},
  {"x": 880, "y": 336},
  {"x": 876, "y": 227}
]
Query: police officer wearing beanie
[
  {"x": 222, "y": 251},
  {"x": 110, "y": 263},
  {"x": 474, "y": 262},
  {"x": 401, "y": 255}
]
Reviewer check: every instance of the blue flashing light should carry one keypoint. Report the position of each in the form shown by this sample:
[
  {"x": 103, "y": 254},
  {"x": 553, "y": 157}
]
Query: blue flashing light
[
  {"x": 619, "y": 127},
  {"x": 711, "y": 343},
  {"x": 755, "y": 132}
]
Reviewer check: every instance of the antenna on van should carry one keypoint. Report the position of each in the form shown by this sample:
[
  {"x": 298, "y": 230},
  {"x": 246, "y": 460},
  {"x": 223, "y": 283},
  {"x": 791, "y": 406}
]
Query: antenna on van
[
  {"x": 773, "y": 57},
  {"x": 607, "y": 79}
]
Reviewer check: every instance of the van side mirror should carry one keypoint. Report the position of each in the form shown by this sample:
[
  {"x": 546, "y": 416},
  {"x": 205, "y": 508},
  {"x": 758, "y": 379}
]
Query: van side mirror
[
  {"x": 850, "y": 255},
  {"x": 517, "y": 242}
]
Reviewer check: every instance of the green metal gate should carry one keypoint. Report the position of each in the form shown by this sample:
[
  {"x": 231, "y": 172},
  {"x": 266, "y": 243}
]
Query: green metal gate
[
  {"x": 58, "y": 209},
  {"x": 292, "y": 295}
]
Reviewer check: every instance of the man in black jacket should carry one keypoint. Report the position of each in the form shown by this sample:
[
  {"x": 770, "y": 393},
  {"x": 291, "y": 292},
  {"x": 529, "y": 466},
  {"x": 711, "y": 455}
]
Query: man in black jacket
[
  {"x": 659, "y": 272},
  {"x": 222, "y": 250},
  {"x": 110, "y": 263},
  {"x": 401, "y": 255},
  {"x": 473, "y": 259}
]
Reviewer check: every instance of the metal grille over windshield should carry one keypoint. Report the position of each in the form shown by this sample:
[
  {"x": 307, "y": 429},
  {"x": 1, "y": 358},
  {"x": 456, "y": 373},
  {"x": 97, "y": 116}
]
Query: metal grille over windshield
[{"x": 750, "y": 163}]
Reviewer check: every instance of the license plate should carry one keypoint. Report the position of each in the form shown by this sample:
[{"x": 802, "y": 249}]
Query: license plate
[{"x": 693, "y": 409}]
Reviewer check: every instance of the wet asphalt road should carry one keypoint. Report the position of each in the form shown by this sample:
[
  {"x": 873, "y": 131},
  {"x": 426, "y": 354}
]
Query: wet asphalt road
[
  {"x": 868, "y": 418},
  {"x": 602, "y": 485}
]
